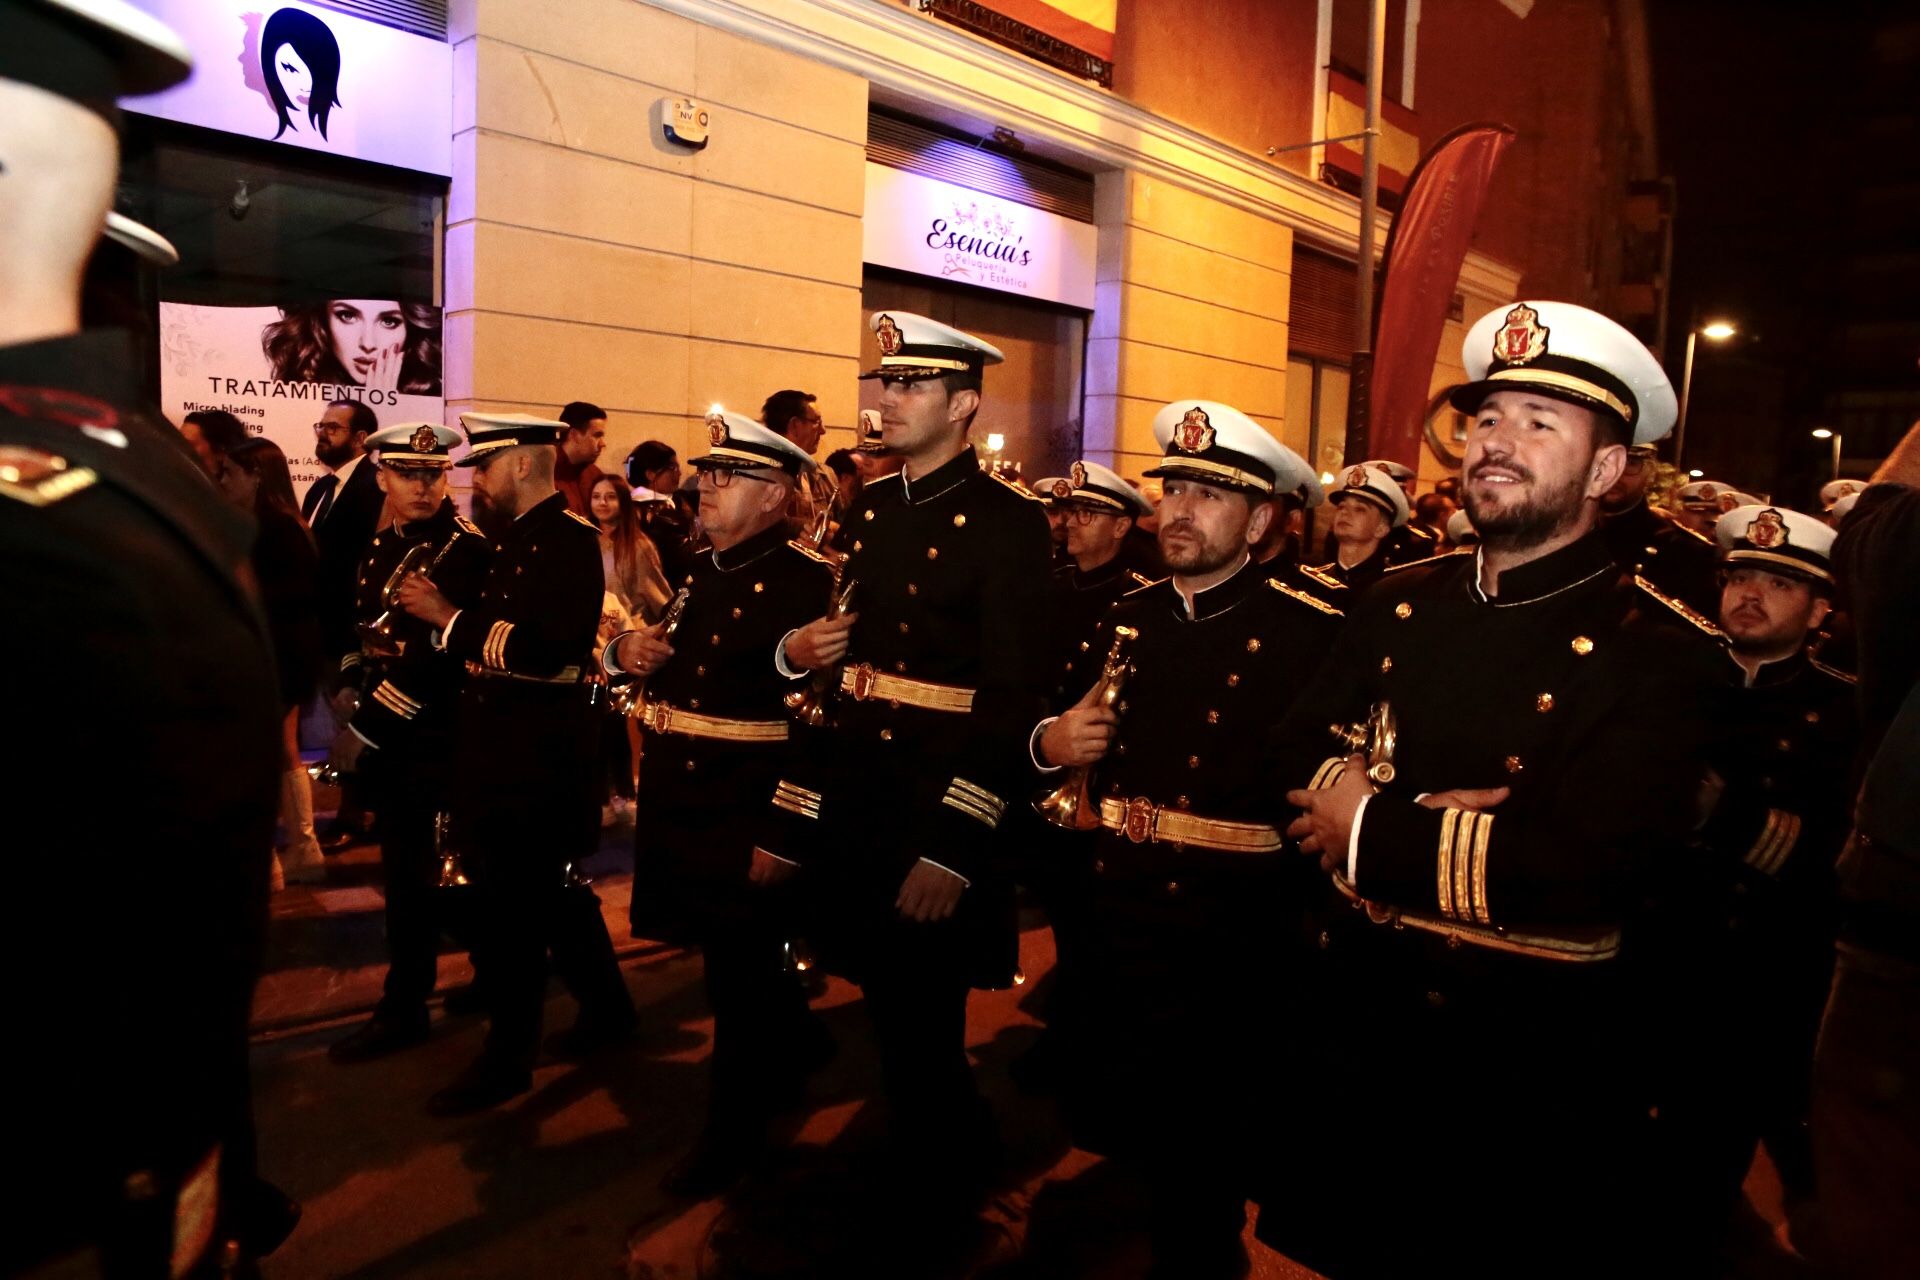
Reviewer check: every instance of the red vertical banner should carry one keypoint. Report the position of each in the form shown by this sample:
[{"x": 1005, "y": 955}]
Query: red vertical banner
[{"x": 1425, "y": 248}]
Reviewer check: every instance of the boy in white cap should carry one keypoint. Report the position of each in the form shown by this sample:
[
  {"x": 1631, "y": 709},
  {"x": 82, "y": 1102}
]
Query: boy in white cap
[
  {"x": 1545, "y": 763},
  {"x": 897, "y": 818},
  {"x": 1785, "y": 739},
  {"x": 134, "y": 1131},
  {"x": 1367, "y": 507}
]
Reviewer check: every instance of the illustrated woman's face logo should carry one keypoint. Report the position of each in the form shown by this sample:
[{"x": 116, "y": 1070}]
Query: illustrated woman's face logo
[
  {"x": 296, "y": 78},
  {"x": 365, "y": 333}
]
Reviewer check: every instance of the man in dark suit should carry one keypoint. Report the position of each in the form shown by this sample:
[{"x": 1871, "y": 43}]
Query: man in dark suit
[{"x": 342, "y": 508}]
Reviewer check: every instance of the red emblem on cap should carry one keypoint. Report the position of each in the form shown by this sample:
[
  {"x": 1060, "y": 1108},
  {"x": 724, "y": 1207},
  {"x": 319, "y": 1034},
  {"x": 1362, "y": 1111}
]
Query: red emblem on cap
[
  {"x": 716, "y": 428},
  {"x": 1062, "y": 488},
  {"x": 889, "y": 334},
  {"x": 1079, "y": 473},
  {"x": 1728, "y": 501},
  {"x": 1709, "y": 492},
  {"x": 1521, "y": 338},
  {"x": 425, "y": 439},
  {"x": 1767, "y": 530},
  {"x": 1195, "y": 432},
  {"x": 1357, "y": 478}
]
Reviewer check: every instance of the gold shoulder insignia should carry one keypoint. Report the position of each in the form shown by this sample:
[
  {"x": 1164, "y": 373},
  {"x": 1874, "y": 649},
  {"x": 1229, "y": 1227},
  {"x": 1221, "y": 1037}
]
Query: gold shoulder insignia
[
  {"x": 575, "y": 515},
  {"x": 1144, "y": 584},
  {"x": 1846, "y": 677},
  {"x": 1697, "y": 536},
  {"x": 1415, "y": 564},
  {"x": 1679, "y": 608},
  {"x": 1321, "y": 576},
  {"x": 1019, "y": 489},
  {"x": 467, "y": 526},
  {"x": 39, "y": 478},
  {"x": 1304, "y": 598},
  {"x": 1140, "y": 579},
  {"x": 809, "y": 552},
  {"x": 1420, "y": 533}
]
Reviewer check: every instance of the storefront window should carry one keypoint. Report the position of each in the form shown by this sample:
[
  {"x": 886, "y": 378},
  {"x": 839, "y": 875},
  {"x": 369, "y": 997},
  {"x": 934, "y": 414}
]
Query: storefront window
[{"x": 302, "y": 279}]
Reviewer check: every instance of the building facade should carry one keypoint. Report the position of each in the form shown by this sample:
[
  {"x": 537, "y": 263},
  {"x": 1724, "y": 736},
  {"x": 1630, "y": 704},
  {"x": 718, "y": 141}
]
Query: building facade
[{"x": 1126, "y": 242}]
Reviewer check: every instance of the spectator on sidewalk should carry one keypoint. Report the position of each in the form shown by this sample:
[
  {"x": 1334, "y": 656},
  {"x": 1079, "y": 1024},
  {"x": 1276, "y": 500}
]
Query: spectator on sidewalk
[
  {"x": 342, "y": 508},
  {"x": 653, "y": 469},
  {"x": 631, "y": 562},
  {"x": 254, "y": 478},
  {"x": 791, "y": 414},
  {"x": 574, "y": 471},
  {"x": 213, "y": 433}
]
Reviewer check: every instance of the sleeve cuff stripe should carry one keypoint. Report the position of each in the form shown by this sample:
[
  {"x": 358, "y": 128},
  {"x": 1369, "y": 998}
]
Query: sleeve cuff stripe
[
  {"x": 494, "y": 651},
  {"x": 797, "y": 800},
  {"x": 387, "y": 697}
]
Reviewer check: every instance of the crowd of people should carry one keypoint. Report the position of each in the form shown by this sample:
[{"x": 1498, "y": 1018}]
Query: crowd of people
[{"x": 1478, "y": 893}]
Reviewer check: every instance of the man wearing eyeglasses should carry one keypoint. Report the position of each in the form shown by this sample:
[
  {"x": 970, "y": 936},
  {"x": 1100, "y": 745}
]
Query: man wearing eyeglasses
[{"x": 1660, "y": 549}]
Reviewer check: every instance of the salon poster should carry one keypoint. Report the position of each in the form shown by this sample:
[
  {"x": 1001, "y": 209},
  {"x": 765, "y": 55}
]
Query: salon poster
[
  {"x": 305, "y": 76},
  {"x": 277, "y": 368}
]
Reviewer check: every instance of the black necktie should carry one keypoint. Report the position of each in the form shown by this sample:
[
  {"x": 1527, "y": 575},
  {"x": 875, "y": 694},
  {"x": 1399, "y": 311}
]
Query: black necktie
[{"x": 320, "y": 499}]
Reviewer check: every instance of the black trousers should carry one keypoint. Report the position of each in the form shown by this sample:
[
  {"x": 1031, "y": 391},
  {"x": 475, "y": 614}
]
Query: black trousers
[
  {"x": 412, "y": 869},
  {"x": 941, "y": 1127},
  {"x": 758, "y": 1009}
]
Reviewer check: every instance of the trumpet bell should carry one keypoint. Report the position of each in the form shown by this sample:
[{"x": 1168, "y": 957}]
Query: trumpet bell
[{"x": 1070, "y": 806}]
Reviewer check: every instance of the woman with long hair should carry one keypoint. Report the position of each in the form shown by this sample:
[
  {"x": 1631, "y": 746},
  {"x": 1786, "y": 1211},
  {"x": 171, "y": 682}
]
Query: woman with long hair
[
  {"x": 254, "y": 477},
  {"x": 382, "y": 344},
  {"x": 300, "y": 61},
  {"x": 634, "y": 572}
]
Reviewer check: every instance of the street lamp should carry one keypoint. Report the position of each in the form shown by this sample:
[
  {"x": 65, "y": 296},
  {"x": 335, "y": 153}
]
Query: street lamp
[
  {"x": 1822, "y": 433},
  {"x": 1712, "y": 331}
]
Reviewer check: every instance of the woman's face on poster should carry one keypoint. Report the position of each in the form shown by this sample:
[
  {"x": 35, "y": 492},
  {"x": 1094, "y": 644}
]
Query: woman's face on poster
[
  {"x": 361, "y": 329},
  {"x": 296, "y": 79}
]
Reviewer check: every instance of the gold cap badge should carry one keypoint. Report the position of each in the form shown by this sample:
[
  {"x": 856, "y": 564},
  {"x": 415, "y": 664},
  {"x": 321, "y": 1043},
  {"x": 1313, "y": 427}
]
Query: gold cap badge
[
  {"x": 1079, "y": 473},
  {"x": 424, "y": 440},
  {"x": 1521, "y": 338},
  {"x": 716, "y": 428},
  {"x": 889, "y": 334},
  {"x": 1195, "y": 432},
  {"x": 1767, "y": 530}
]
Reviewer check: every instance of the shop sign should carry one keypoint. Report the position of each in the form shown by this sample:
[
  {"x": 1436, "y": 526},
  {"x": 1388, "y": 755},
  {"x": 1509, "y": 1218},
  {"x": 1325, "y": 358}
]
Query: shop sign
[
  {"x": 277, "y": 368},
  {"x": 304, "y": 76},
  {"x": 939, "y": 229}
]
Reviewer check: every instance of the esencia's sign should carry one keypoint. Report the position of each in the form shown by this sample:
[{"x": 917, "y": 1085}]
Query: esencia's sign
[
  {"x": 950, "y": 232},
  {"x": 304, "y": 76}
]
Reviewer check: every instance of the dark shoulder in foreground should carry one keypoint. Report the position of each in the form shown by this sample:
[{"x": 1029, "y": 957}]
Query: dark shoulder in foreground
[
  {"x": 1300, "y": 597},
  {"x": 1416, "y": 580},
  {"x": 803, "y": 564}
]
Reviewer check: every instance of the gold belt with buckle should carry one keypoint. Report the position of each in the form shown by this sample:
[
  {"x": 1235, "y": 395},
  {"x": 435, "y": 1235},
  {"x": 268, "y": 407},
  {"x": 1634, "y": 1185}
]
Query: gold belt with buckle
[
  {"x": 567, "y": 675},
  {"x": 1577, "y": 946},
  {"x": 1142, "y": 821},
  {"x": 866, "y": 684},
  {"x": 662, "y": 717}
]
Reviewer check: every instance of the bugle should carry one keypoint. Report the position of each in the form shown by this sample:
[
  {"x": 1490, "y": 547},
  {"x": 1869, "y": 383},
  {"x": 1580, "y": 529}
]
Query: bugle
[
  {"x": 809, "y": 704},
  {"x": 626, "y": 696},
  {"x": 1070, "y": 805}
]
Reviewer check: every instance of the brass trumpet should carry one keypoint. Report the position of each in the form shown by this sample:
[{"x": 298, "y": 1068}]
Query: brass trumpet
[
  {"x": 376, "y": 637},
  {"x": 625, "y": 697},
  {"x": 822, "y": 489},
  {"x": 1373, "y": 739},
  {"x": 453, "y": 874},
  {"x": 1070, "y": 805},
  {"x": 809, "y": 705}
]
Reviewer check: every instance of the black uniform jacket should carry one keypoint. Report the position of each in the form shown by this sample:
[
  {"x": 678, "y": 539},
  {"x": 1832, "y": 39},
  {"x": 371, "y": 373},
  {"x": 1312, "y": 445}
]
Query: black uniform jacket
[
  {"x": 341, "y": 540},
  {"x": 1571, "y": 689},
  {"x": 407, "y": 702},
  {"x": 145, "y": 720},
  {"x": 1077, "y": 603},
  {"x": 524, "y": 732},
  {"x": 1336, "y": 583},
  {"x": 1666, "y": 553},
  {"x": 1782, "y": 752},
  {"x": 701, "y": 798},
  {"x": 952, "y": 572}
]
